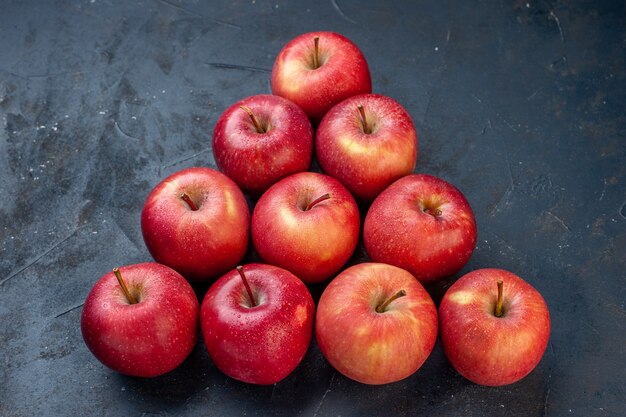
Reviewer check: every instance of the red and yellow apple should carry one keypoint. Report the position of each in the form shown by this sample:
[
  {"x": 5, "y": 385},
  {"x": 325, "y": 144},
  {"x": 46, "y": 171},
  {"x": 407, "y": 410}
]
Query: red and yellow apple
[
  {"x": 375, "y": 323},
  {"x": 494, "y": 327}
]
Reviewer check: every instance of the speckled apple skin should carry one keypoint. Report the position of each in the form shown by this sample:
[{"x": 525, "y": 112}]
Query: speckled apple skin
[
  {"x": 486, "y": 349},
  {"x": 146, "y": 339},
  {"x": 262, "y": 344},
  {"x": 343, "y": 72},
  {"x": 371, "y": 347},
  {"x": 201, "y": 244},
  {"x": 367, "y": 163},
  {"x": 256, "y": 160},
  {"x": 398, "y": 231}
]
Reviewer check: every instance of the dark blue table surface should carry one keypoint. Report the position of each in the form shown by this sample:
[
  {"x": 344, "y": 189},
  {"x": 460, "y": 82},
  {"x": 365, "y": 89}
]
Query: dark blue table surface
[{"x": 518, "y": 103}]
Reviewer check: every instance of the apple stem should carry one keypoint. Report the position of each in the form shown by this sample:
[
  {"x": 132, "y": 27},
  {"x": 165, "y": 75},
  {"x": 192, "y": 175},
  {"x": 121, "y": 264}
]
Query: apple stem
[
  {"x": 131, "y": 298},
  {"x": 189, "y": 201},
  {"x": 317, "y": 200},
  {"x": 383, "y": 307},
  {"x": 245, "y": 284},
  {"x": 255, "y": 122},
  {"x": 435, "y": 212},
  {"x": 498, "y": 311},
  {"x": 316, "y": 62},
  {"x": 366, "y": 128}
]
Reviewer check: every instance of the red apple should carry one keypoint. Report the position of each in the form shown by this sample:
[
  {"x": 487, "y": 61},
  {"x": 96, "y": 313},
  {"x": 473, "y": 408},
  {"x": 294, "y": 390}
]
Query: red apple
[
  {"x": 317, "y": 70},
  {"x": 494, "y": 327},
  {"x": 423, "y": 224},
  {"x": 262, "y": 139},
  {"x": 141, "y": 320},
  {"x": 375, "y": 323},
  {"x": 257, "y": 323},
  {"x": 307, "y": 223},
  {"x": 196, "y": 221},
  {"x": 366, "y": 142}
]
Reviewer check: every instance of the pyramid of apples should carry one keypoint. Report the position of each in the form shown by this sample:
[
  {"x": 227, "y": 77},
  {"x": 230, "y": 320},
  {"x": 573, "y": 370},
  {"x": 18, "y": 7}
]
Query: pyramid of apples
[{"x": 375, "y": 322}]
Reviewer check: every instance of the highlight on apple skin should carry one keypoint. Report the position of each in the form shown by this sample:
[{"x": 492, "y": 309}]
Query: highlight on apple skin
[
  {"x": 317, "y": 70},
  {"x": 375, "y": 323},
  {"x": 494, "y": 327},
  {"x": 197, "y": 222},
  {"x": 141, "y": 320}
]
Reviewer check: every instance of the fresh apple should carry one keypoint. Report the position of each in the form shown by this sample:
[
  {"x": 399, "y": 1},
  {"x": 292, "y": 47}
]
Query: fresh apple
[
  {"x": 307, "y": 223},
  {"x": 494, "y": 327},
  {"x": 141, "y": 320},
  {"x": 423, "y": 224},
  {"x": 375, "y": 323},
  {"x": 257, "y": 323},
  {"x": 196, "y": 221},
  {"x": 366, "y": 142},
  {"x": 317, "y": 70},
  {"x": 262, "y": 139}
]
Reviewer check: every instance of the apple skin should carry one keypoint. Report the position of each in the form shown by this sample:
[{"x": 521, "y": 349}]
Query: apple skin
[
  {"x": 371, "y": 347},
  {"x": 255, "y": 160},
  {"x": 200, "y": 244},
  {"x": 313, "y": 244},
  {"x": 486, "y": 349},
  {"x": 146, "y": 339},
  {"x": 261, "y": 344},
  {"x": 343, "y": 72},
  {"x": 423, "y": 224},
  {"x": 367, "y": 163}
]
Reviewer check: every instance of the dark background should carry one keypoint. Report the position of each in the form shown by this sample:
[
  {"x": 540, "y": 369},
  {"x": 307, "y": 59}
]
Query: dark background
[{"x": 520, "y": 104}]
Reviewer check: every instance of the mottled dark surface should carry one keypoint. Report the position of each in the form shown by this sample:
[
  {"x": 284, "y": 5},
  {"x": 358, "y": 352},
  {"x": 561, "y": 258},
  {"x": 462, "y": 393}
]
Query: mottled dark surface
[{"x": 519, "y": 104}]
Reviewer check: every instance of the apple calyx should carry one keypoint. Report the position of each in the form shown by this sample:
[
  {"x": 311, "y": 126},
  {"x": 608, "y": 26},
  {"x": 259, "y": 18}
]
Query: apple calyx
[
  {"x": 317, "y": 200},
  {"x": 248, "y": 289},
  {"x": 498, "y": 311},
  {"x": 316, "y": 61},
  {"x": 130, "y": 297},
  {"x": 366, "y": 127},
  {"x": 189, "y": 201},
  {"x": 257, "y": 126},
  {"x": 381, "y": 308}
]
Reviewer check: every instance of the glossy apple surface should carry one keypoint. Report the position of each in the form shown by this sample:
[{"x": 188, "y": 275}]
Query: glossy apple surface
[
  {"x": 264, "y": 341},
  {"x": 341, "y": 72},
  {"x": 367, "y": 149},
  {"x": 370, "y": 344},
  {"x": 150, "y": 337},
  {"x": 271, "y": 142},
  {"x": 423, "y": 224},
  {"x": 307, "y": 223},
  {"x": 202, "y": 235},
  {"x": 485, "y": 348}
]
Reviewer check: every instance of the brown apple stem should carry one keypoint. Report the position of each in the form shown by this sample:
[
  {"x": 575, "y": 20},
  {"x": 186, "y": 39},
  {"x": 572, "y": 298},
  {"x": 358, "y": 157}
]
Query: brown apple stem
[
  {"x": 131, "y": 299},
  {"x": 498, "y": 311},
  {"x": 245, "y": 284},
  {"x": 316, "y": 62},
  {"x": 435, "y": 212},
  {"x": 255, "y": 122},
  {"x": 189, "y": 201},
  {"x": 317, "y": 200},
  {"x": 366, "y": 127},
  {"x": 383, "y": 307}
]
